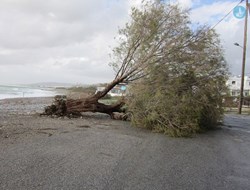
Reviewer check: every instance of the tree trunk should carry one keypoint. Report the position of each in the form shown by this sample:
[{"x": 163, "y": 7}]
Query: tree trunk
[
  {"x": 91, "y": 104},
  {"x": 73, "y": 108}
]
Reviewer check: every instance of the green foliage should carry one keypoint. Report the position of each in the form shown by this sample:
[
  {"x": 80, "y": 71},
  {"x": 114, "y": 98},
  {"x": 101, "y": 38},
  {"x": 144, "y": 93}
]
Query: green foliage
[
  {"x": 107, "y": 97},
  {"x": 185, "y": 73},
  {"x": 87, "y": 89}
]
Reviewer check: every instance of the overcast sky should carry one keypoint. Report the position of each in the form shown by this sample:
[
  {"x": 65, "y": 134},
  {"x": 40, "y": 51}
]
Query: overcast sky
[{"x": 70, "y": 40}]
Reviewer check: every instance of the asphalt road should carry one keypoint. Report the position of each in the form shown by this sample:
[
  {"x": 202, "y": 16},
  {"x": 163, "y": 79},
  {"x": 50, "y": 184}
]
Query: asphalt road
[{"x": 103, "y": 154}]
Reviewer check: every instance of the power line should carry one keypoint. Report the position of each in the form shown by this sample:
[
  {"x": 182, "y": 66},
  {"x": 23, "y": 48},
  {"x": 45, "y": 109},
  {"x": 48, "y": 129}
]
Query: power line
[
  {"x": 226, "y": 15},
  {"x": 211, "y": 28}
]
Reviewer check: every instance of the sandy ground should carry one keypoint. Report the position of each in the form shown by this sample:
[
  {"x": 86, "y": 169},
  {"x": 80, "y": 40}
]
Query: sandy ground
[
  {"x": 20, "y": 117},
  {"x": 95, "y": 152}
]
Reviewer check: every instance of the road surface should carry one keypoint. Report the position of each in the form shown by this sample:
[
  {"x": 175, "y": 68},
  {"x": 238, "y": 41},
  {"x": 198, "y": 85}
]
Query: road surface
[{"x": 97, "y": 153}]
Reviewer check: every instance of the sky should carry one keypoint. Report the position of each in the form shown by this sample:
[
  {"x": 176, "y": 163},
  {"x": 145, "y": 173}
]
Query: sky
[{"x": 70, "y": 41}]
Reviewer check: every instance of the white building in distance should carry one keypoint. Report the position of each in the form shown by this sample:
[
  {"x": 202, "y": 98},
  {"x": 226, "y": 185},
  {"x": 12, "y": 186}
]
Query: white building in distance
[
  {"x": 234, "y": 83},
  {"x": 118, "y": 90}
]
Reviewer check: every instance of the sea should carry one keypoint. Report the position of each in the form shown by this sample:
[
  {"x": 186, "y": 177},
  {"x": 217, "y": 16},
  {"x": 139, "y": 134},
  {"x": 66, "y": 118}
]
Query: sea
[{"x": 17, "y": 91}]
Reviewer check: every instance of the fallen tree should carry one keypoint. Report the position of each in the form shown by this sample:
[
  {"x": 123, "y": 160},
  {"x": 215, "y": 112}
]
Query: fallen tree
[
  {"x": 157, "y": 44},
  {"x": 62, "y": 106},
  {"x": 73, "y": 108},
  {"x": 137, "y": 50}
]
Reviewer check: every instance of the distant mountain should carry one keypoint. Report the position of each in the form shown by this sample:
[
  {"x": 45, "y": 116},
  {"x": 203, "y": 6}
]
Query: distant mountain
[{"x": 54, "y": 84}]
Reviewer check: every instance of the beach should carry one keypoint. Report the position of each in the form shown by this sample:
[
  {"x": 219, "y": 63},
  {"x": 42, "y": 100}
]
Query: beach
[
  {"x": 22, "y": 106},
  {"x": 18, "y": 115},
  {"x": 21, "y": 116}
]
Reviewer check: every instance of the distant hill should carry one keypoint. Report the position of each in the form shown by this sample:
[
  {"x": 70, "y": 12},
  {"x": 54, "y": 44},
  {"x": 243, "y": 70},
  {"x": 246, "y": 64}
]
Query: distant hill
[{"x": 54, "y": 85}]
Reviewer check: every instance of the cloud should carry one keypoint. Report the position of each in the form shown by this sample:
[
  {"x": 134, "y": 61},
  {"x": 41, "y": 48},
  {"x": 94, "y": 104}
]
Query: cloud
[
  {"x": 212, "y": 13},
  {"x": 35, "y": 24},
  {"x": 230, "y": 30},
  {"x": 51, "y": 39},
  {"x": 185, "y": 3},
  {"x": 70, "y": 41}
]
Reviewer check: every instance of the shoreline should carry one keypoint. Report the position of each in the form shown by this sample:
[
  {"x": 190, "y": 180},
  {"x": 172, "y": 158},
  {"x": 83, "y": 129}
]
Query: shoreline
[
  {"x": 25, "y": 105},
  {"x": 29, "y": 92},
  {"x": 21, "y": 98}
]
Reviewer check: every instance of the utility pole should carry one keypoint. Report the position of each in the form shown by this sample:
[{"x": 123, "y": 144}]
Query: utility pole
[{"x": 243, "y": 61}]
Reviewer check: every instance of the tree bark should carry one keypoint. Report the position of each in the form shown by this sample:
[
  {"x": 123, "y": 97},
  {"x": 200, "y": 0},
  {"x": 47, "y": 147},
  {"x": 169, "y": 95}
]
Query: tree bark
[{"x": 74, "y": 107}]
